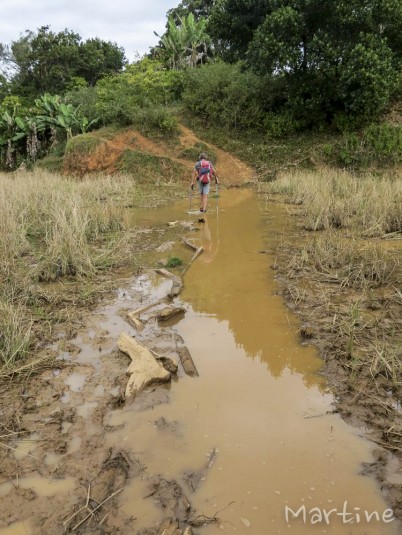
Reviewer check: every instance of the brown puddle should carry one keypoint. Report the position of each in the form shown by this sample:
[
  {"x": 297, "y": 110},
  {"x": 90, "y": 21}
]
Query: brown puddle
[
  {"x": 259, "y": 405},
  {"x": 258, "y": 400}
]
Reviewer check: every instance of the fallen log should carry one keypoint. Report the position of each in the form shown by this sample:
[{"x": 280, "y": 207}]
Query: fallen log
[
  {"x": 144, "y": 368},
  {"x": 146, "y": 307},
  {"x": 189, "y": 244},
  {"x": 134, "y": 320}
]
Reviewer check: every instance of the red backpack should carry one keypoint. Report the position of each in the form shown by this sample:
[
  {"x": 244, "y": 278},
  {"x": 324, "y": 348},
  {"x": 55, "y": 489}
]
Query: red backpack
[{"x": 204, "y": 172}]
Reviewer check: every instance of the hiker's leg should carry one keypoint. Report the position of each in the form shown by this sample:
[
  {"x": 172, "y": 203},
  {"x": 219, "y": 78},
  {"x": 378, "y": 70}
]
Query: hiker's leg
[
  {"x": 205, "y": 196},
  {"x": 205, "y": 201}
]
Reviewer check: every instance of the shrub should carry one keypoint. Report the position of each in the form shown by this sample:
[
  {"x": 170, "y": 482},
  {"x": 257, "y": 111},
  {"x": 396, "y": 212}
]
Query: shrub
[
  {"x": 377, "y": 144},
  {"x": 223, "y": 94},
  {"x": 174, "y": 261}
]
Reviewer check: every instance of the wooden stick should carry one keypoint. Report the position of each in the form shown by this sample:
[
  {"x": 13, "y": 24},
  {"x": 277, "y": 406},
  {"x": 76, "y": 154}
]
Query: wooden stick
[
  {"x": 165, "y": 273},
  {"x": 134, "y": 320},
  {"x": 96, "y": 508},
  {"x": 189, "y": 244},
  {"x": 195, "y": 256},
  {"x": 146, "y": 307},
  {"x": 187, "y": 361},
  {"x": 177, "y": 285}
]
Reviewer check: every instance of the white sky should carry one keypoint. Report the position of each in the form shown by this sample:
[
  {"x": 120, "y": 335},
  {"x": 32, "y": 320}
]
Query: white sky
[{"x": 129, "y": 23}]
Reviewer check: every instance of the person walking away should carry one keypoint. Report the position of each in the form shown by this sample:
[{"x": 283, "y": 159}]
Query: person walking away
[{"x": 203, "y": 173}]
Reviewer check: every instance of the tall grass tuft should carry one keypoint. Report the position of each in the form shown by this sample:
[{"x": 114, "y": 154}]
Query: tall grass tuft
[{"x": 15, "y": 334}]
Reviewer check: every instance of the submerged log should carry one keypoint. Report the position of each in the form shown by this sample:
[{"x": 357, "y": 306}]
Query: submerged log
[
  {"x": 195, "y": 256},
  {"x": 185, "y": 356},
  {"x": 187, "y": 361},
  {"x": 140, "y": 310}
]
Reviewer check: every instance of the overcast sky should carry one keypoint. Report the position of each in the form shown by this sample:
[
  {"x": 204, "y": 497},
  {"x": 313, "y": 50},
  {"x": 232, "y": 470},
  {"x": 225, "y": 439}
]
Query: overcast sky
[{"x": 129, "y": 23}]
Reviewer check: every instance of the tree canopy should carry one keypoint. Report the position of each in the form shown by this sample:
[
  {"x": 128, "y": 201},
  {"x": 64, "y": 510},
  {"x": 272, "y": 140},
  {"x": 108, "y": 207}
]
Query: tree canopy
[
  {"x": 337, "y": 56},
  {"x": 47, "y": 61}
]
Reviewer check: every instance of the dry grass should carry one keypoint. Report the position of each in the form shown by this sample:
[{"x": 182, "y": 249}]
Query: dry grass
[
  {"x": 369, "y": 205},
  {"x": 15, "y": 334},
  {"x": 52, "y": 226},
  {"x": 346, "y": 261}
]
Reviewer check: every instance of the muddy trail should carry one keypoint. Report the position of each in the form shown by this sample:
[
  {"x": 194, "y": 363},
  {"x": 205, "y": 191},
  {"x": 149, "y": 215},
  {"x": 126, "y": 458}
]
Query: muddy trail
[{"x": 240, "y": 448}]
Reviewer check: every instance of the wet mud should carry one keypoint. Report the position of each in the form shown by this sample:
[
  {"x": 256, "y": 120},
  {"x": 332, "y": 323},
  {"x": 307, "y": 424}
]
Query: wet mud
[{"x": 230, "y": 450}]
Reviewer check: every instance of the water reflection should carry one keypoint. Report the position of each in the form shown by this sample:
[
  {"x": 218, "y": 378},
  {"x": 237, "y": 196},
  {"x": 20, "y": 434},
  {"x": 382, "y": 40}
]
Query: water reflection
[{"x": 231, "y": 282}]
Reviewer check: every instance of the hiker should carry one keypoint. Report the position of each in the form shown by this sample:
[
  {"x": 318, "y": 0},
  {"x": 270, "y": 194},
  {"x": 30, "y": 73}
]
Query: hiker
[{"x": 203, "y": 172}]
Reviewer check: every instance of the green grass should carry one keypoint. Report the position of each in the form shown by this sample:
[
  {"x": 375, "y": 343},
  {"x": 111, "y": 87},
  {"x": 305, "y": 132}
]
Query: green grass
[
  {"x": 174, "y": 261},
  {"x": 193, "y": 153},
  {"x": 265, "y": 154},
  {"x": 148, "y": 167},
  {"x": 83, "y": 144}
]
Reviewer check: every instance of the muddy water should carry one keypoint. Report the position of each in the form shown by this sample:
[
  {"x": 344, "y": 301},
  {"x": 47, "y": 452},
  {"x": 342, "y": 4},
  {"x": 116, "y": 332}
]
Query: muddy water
[{"x": 259, "y": 402}]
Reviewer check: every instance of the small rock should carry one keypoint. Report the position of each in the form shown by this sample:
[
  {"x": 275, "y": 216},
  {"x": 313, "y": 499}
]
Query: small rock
[{"x": 246, "y": 522}]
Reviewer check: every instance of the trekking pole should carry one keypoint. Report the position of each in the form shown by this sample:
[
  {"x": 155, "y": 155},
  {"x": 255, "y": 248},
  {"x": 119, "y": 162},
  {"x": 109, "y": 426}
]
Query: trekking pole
[{"x": 191, "y": 198}]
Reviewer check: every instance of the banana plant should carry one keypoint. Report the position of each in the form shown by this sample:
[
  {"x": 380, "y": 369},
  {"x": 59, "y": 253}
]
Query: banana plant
[{"x": 57, "y": 114}]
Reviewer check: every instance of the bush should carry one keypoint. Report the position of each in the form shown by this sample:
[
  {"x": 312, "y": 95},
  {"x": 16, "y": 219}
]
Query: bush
[
  {"x": 155, "y": 121},
  {"x": 223, "y": 94},
  {"x": 143, "y": 85},
  {"x": 377, "y": 144}
]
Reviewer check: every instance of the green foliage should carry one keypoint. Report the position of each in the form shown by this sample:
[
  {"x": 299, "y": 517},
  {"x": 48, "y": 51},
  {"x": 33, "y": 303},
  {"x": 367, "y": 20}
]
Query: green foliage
[
  {"x": 144, "y": 84},
  {"x": 147, "y": 167},
  {"x": 224, "y": 94},
  {"x": 335, "y": 59},
  {"x": 83, "y": 144},
  {"x": 174, "y": 261},
  {"x": 48, "y": 61},
  {"x": 376, "y": 145},
  {"x": 157, "y": 122},
  {"x": 232, "y": 24},
  {"x": 25, "y": 134},
  {"x": 182, "y": 42},
  {"x": 367, "y": 78},
  {"x": 193, "y": 153},
  {"x": 199, "y": 8}
]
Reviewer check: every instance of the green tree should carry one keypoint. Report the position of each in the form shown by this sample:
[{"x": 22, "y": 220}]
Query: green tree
[
  {"x": 231, "y": 26},
  {"x": 185, "y": 41},
  {"x": 98, "y": 58},
  {"x": 45, "y": 61},
  {"x": 334, "y": 56},
  {"x": 199, "y": 8}
]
